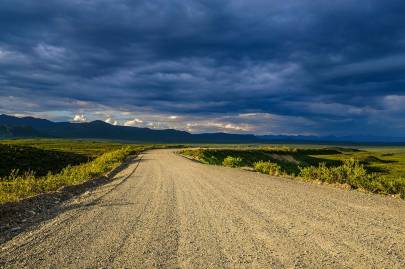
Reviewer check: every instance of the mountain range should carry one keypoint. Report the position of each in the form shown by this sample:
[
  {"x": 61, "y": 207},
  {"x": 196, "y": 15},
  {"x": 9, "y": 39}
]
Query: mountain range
[{"x": 30, "y": 127}]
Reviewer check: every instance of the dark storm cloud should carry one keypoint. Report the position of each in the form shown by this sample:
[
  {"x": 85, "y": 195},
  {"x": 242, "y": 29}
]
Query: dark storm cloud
[{"x": 322, "y": 66}]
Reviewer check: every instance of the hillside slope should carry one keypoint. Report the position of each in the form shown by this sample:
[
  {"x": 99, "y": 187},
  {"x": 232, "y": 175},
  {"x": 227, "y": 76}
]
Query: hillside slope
[{"x": 33, "y": 127}]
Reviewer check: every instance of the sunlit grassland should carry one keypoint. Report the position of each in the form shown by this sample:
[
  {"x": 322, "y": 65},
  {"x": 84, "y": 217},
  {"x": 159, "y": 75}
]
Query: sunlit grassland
[
  {"x": 377, "y": 169},
  {"x": 30, "y": 167},
  {"x": 385, "y": 161},
  {"x": 84, "y": 147}
]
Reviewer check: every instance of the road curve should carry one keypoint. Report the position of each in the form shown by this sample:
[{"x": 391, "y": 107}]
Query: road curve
[{"x": 176, "y": 213}]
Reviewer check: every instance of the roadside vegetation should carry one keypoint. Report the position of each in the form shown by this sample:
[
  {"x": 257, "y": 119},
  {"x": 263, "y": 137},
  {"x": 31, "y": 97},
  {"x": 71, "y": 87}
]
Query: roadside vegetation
[
  {"x": 377, "y": 170},
  {"x": 22, "y": 159},
  {"x": 232, "y": 161},
  {"x": 30, "y": 167},
  {"x": 83, "y": 147},
  {"x": 268, "y": 168}
]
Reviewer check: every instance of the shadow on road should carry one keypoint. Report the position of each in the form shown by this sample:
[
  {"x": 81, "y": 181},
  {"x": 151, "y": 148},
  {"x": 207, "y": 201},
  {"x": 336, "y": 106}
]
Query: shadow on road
[{"x": 18, "y": 217}]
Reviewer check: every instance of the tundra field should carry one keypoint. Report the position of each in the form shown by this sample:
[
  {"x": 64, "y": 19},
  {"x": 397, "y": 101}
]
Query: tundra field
[
  {"x": 376, "y": 169},
  {"x": 31, "y": 166}
]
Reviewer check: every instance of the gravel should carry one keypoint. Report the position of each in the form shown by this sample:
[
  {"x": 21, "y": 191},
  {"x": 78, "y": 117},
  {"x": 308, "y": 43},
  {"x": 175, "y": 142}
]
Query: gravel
[{"x": 165, "y": 211}]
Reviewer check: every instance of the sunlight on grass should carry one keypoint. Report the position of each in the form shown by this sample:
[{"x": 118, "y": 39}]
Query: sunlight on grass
[
  {"x": 17, "y": 186},
  {"x": 379, "y": 170}
]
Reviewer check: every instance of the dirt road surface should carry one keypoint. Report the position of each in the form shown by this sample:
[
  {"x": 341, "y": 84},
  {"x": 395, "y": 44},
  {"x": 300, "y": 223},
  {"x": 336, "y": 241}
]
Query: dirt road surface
[{"x": 176, "y": 213}]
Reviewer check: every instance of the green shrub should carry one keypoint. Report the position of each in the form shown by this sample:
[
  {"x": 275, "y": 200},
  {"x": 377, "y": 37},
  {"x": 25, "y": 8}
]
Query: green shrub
[
  {"x": 232, "y": 161},
  {"x": 267, "y": 168},
  {"x": 375, "y": 174},
  {"x": 388, "y": 185},
  {"x": 350, "y": 172}
]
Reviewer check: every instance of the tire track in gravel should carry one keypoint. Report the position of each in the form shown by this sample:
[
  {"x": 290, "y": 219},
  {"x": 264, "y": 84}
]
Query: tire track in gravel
[
  {"x": 175, "y": 213},
  {"x": 75, "y": 212}
]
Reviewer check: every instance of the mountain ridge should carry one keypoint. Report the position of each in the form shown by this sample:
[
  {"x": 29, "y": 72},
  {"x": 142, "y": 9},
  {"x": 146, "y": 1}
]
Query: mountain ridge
[
  {"x": 31, "y": 127},
  {"x": 102, "y": 130}
]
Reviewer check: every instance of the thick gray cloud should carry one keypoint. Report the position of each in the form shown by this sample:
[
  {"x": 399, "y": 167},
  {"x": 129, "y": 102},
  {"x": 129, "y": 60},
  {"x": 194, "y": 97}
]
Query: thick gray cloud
[{"x": 310, "y": 66}]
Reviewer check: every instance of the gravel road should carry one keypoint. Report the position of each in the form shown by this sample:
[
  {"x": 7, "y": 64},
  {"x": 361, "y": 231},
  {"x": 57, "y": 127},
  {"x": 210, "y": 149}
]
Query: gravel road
[{"x": 166, "y": 211}]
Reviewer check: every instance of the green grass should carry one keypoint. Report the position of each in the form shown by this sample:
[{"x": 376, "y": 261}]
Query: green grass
[
  {"x": 41, "y": 156},
  {"x": 282, "y": 156},
  {"x": 376, "y": 169},
  {"x": 22, "y": 159},
  {"x": 385, "y": 161},
  {"x": 32, "y": 166},
  {"x": 83, "y": 147},
  {"x": 16, "y": 187}
]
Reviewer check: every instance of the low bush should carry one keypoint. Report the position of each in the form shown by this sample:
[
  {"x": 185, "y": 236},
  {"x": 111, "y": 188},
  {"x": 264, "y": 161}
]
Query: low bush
[
  {"x": 333, "y": 165},
  {"x": 387, "y": 185},
  {"x": 267, "y": 168},
  {"x": 353, "y": 173},
  {"x": 17, "y": 186},
  {"x": 232, "y": 161},
  {"x": 350, "y": 172}
]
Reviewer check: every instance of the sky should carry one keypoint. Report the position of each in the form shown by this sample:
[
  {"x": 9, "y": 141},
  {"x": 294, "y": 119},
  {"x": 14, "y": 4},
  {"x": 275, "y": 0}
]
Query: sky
[{"x": 308, "y": 67}]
